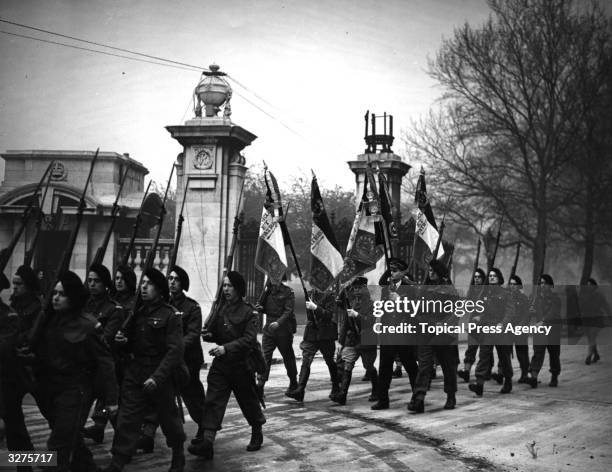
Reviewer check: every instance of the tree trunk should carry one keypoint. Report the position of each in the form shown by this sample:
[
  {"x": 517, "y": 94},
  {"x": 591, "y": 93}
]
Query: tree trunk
[{"x": 589, "y": 238}]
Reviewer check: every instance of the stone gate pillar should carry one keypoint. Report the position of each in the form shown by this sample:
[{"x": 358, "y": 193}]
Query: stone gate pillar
[{"x": 212, "y": 169}]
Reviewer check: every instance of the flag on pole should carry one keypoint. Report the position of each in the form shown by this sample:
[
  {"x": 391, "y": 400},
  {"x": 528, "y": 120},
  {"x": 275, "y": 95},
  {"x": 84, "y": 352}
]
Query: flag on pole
[
  {"x": 271, "y": 257},
  {"x": 363, "y": 250},
  {"x": 426, "y": 230},
  {"x": 326, "y": 261},
  {"x": 388, "y": 212}
]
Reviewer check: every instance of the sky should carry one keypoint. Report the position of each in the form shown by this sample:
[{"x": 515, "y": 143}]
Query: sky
[{"x": 314, "y": 66}]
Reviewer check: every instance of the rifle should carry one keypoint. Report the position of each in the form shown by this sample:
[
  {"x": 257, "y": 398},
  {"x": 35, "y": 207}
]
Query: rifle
[
  {"x": 492, "y": 261},
  {"x": 99, "y": 257},
  {"x": 150, "y": 256},
  {"x": 64, "y": 264},
  {"x": 229, "y": 262},
  {"x": 29, "y": 254},
  {"x": 7, "y": 252},
  {"x": 516, "y": 258},
  {"x": 477, "y": 258},
  {"x": 179, "y": 232},
  {"x": 128, "y": 252}
]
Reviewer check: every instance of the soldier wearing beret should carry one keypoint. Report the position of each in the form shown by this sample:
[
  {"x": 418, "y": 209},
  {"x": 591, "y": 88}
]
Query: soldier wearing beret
[
  {"x": 192, "y": 392},
  {"x": 17, "y": 377},
  {"x": 125, "y": 287},
  {"x": 110, "y": 315},
  {"x": 233, "y": 329},
  {"x": 71, "y": 353},
  {"x": 154, "y": 344}
]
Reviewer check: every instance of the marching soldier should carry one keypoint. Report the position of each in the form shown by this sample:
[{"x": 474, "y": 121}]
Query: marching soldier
[
  {"x": 351, "y": 324},
  {"x": 71, "y": 355},
  {"x": 521, "y": 311},
  {"x": 394, "y": 281},
  {"x": 154, "y": 343},
  {"x": 110, "y": 315},
  {"x": 192, "y": 392},
  {"x": 475, "y": 292},
  {"x": 8, "y": 328},
  {"x": 17, "y": 379},
  {"x": 278, "y": 305},
  {"x": 234, "y": 332},
  {"x": 546, "y": 309},
  {"x": 443, "y": 347},
  {"x": 125, "y": 288},
  {"x": 498, "y": 310},
  {"x": 320, "y": 334}
]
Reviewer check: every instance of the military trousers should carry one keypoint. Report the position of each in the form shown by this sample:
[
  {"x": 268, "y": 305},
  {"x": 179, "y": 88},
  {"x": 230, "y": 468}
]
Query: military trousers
[
  {"x": 283, "y": 341},
  {"x": 447, "y": 356},
  {"x": 224, "y": 378},
  {"x": 408, "y": 357}
]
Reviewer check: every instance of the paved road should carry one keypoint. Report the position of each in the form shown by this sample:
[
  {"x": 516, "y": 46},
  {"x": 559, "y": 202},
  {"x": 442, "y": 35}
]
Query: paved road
[{"x": 563, "y": 429}]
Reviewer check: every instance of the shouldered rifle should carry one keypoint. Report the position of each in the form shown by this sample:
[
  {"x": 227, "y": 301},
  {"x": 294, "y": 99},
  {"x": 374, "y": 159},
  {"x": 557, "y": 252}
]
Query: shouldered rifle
[
  {"x": 150, "y": 256},
  {"x": 128, "y": 252},
  {"x": 477, "y": 258},
  {"x": 492, "y": 261},
  {"x": 64, "y": 264},
  {"x": 29, "y": 254},
  {"x": 7, "y": 252},
  {"x": 229, "y": 262},
  {"x": 99, "y": 257},
  {"x": 179, "y": 232},
  {"x": 516, "y": 259}
]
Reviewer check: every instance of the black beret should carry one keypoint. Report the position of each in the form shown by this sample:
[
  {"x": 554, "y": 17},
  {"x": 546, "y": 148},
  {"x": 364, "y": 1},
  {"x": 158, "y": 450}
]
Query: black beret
[
  {"x": 159, "y": 280},
  {"x": 103, "y": 273},
  {"x": 74, "y": 289},
  {"x": 397, "y": 262},
  {"x": 4, "y": 282},
  {"x": 183, "y": 277},
  {"x": 359, "y": 281},
  {"x": 439, "y": 268},
  {"x": 129, "y": 276},
  {"x": 30, "y": 280},
  {"x": 238, "y": 282}
]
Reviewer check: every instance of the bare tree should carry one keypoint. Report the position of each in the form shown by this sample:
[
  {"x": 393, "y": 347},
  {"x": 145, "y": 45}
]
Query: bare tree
[{"x": 511, "y": 115}]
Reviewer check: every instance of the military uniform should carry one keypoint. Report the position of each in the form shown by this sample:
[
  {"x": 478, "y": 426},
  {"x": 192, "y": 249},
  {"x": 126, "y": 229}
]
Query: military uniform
[
  {"x": 349, "y": 338},
  {"x": 110, "y": 315},
  {"x": 320, "y": 334},
  {"x": 441, "y": 347},
  {"x": 388, "y": 353},
  {"x": 278, "y": 307},
  {"x": 498, "y": 309},
  {"x": 17, "y": 379},
  {"x": 547, "y": 309},
  {"x": 235, "y": 328},
  {"x": 193, "y": 392},
  {"x": 154, "y": 350},
  {"x": 72, "y": 353}
]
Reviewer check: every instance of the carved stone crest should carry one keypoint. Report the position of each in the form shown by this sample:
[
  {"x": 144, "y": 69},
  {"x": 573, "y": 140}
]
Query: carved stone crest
[
  {"x": 203, "y": 158},
  {"x": 58, "y": 171}
]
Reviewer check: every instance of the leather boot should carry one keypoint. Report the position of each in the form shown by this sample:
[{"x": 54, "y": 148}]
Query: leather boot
[
  {"x": 293, "y": 384},
  {"x": 554, "y": 382},
  {"x": 499, "y": 378},
  {"x": 256, "y": 438},
  {"x": 533, "y": 381},
  {"x": 374, "y": 381},
  {"x": 205, "y": 447},
  {"x": 507, "y": 388},
  {"x": 145, "y": 443},
  {"x": 465, "y": 373},
  {"x": 451, "y": 401},
  {"x": 335, "y": 379},
  {"x": 95, "y": 432},
  {"x": 344, "y": 386},
  {"x": 477, "y": 389},
  {"x": 178, "y": 459},
  {"x": 524, "y": 379},
  {"x": 298, "y": 392},
  {"x": 397, "y": 372},
  {"x": 199, "y": 436},
  {"x": 596, "y": 356}
]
